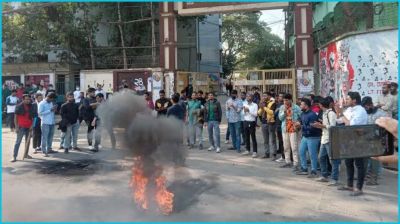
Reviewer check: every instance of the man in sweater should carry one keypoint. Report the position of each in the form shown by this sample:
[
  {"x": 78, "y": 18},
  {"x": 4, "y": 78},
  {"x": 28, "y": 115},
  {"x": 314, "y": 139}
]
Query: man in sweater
[
  {"x": 212, "y": 116},
  {"x": 162, "y": 104},
  {"x": 70, "y": 115},
  {"x": 23, "y": 123},
  {"x": 268, "y": 125},
  {"x": 310, "y": 139}
]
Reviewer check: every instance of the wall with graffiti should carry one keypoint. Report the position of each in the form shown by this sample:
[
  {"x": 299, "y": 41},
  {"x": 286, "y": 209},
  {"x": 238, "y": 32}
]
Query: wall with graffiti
[{"x": 359, "y": 63}]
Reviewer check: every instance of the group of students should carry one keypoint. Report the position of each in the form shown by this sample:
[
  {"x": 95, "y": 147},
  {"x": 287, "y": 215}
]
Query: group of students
[{"x": 37, "y": 118}]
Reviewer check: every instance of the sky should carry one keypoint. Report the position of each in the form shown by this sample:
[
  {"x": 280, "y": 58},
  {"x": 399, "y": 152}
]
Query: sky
[{"x": 277, "y": 20}]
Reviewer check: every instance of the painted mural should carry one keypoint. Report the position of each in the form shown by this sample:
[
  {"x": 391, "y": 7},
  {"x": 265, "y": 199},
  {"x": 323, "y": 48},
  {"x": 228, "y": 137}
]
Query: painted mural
[{"x": 361, "y": 63}]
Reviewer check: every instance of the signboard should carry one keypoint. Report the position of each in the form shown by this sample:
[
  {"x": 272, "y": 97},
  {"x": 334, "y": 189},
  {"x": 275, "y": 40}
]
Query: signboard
[
  {"x": 305, "y": 82},
  {"x": 197, "y": 8},
  {"x": 39, "y": 79},
  {"x": 135, "y": 80},
  {"x": 12, "y": 81}
]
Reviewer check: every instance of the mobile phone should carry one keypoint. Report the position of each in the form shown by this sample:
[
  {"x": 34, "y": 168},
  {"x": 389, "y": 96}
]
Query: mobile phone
[{"x": 358, "y": 141}]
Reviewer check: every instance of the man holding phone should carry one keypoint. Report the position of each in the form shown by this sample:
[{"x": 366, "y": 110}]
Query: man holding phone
[{"x": 46, "y": 113}]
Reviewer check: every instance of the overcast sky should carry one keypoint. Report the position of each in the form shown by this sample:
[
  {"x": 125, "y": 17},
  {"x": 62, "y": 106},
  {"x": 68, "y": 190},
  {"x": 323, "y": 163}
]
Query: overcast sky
[{"x": 277, "y": 20}]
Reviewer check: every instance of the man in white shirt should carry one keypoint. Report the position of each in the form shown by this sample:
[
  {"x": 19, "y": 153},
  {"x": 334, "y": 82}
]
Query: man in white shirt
[
  {"x": 11, "y": 103},
  {"x": 100, "y": 90},
  {"x": 357, "y": 116},
  {"x": 328, "y": 120},
  {"x": 77, "y": 95},
  {"x": 250, "y": 110}
]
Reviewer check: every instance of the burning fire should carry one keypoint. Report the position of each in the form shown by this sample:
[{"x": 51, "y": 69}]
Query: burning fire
[{"x": 141, "y": 190}]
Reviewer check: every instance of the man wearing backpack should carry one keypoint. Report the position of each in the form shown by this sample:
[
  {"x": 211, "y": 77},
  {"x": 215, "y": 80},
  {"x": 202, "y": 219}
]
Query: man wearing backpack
[{"x": 328, "y": 120}]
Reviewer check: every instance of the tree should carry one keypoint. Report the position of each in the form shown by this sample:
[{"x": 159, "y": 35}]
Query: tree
[{"x": 248, "y": 42}]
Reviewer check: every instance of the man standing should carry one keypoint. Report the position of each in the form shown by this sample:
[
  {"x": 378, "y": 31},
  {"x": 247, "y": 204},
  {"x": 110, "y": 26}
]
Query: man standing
[
  {"x": 162, "y": 104},
  {"x": 195, "y": 127},
  {"x": 51, "y": 90},
  {"x": 149, "y": 101},
  {"x": 37, "y": 131},
  {"x": 250, "y": 114},
  {"x": 23, "y": 123},
  {"x": 97, "y": 124},
  {"x": 234, "y": 107},
  {"x": 278, "y": 124},
  {"x": 201, "y": 98},
  {"x": 393, "y": 92},
  {"x": 176, "y": 109},
  {"x": 243, "y": 98},
  {"x": 310, "y": 140},
  {"x": 11, "y": 102},
  {"x": 356, "y": 116},
  {"x": 213, "y": 116},
  {"x": 77, "y": 95},
  {"x": 46, "y": 112},
  {"x": 87, "y": 112},
  {"x": 70, "y": 114},
  {"x": 100, "y": 90},
  {"x": 289, "y": 114},
  {"x": 268, "y": 125},
  {"x": 328, "y": 120},
  {"x": 373, "y": 114},
  {"x": 386, "y": 100}
]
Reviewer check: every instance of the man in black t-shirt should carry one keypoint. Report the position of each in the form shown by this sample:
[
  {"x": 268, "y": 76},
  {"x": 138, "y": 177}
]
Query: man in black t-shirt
[{"x": 162, "y": 104}]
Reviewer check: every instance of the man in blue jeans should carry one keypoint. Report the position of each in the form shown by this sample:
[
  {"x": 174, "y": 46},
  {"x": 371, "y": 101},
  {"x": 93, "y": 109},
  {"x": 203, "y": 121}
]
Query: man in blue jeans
[
  {"x": 328, "y": 120},
  {"x": 46, "y": 113},
  {"x": 310, "y": 140},
  {"x": 212, "y": 117},
  {"x": 70, "y": 114},
  {"x": 234, "y": 107}
]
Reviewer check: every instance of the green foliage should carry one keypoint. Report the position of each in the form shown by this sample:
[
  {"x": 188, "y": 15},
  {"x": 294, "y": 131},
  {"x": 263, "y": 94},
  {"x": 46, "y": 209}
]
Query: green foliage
[{"x": 248, "y": 42}]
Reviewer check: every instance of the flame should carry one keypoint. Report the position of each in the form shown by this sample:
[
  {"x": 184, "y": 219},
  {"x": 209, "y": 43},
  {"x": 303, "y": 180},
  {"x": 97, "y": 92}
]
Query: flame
[
  {"x": 140, "y": 188},
  {"x": 164, "y": 198},
  {"x": 138, "y": 183}
]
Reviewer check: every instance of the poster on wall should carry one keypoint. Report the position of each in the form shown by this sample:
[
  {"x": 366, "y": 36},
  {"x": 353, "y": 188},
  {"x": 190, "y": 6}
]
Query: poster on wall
[
  {"x": 36, "y": 80},
  {"x": 11, "y": 81},
  {"x": 135, "y": 80},
  {"x": 361, "y": 63},
  {"x": 157, "y": 85},
  {"x": 305, "y": 82}
]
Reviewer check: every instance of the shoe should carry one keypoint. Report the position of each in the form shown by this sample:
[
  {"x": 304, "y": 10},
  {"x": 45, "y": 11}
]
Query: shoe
[
  {"x": 94, "y": 150},
  {"x": 265, "y": 157},
  {"x": 322, "y": 179},
  {"x": 52, "y": 151},
  {"x": 100, "y": 146},
  {"x": 28, "y": 157},
  {"x": 345, "y": 188},
  {"x": 231, "y": 148},
  {"x": 46, "y": 155},
  {"x": 91, "y": 147},
  {"x": 280, "y": 160},
  {"x": 13, "y": 160},
  {"x": 295, "y": 169},
  {"x": 356, "y": 193},
  {"x": 77, "y": 149},
  {"x": 254, "y": 155},
  {"x": 218, "y": 150},
  {"x": 61, "y": 147},
  {"x": 200, "y": 147},
  {"x": 36, "y": 151},
  {"x": 333, "y": 183},
  {"x": 371, "y": 182},
  {"x": 245, "y": 153},
  {"x": 226, "y": 142},
  {"x": 312, "y": 175},
  {"x": 302, "y": 172},
  {"x": 286, "y": 165},
  {"x": 211, "y": 148}
]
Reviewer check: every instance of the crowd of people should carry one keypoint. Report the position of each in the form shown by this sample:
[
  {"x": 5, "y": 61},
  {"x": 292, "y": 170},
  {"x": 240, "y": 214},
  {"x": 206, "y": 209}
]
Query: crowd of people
[{"x": 290, "y": 129}]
